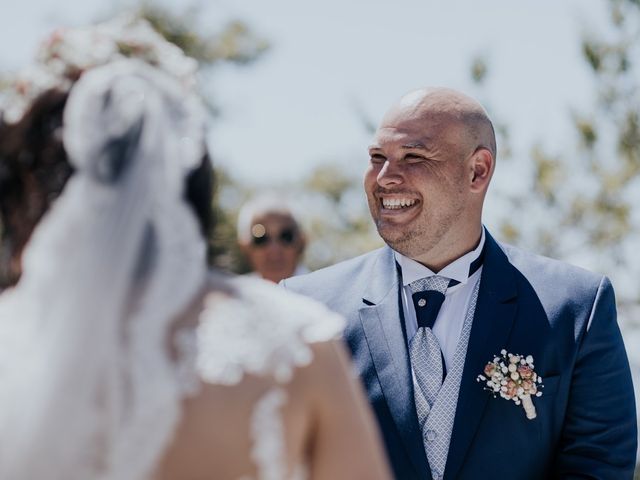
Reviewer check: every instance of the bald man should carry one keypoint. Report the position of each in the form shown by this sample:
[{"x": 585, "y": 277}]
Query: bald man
[{"x": 430, "y": 313}]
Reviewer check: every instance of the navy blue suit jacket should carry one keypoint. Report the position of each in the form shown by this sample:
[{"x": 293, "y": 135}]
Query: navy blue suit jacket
[{"x": 563, "y": 316}]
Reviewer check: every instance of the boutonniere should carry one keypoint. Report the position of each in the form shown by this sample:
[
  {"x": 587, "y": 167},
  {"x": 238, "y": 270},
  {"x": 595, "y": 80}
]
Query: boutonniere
[{"x": 513, "y": 378}]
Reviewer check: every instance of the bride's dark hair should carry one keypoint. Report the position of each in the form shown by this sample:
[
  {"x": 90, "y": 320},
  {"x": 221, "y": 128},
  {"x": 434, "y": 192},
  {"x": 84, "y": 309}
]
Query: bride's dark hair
[{"x": 34, "y": 169}]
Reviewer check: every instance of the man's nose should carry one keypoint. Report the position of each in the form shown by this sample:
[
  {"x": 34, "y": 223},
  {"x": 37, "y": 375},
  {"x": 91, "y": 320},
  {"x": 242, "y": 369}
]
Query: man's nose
[{"x": 390, "y": 175}]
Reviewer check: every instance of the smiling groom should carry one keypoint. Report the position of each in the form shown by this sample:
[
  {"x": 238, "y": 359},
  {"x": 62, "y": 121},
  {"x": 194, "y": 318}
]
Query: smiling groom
[{"x": 430, "y": 311}]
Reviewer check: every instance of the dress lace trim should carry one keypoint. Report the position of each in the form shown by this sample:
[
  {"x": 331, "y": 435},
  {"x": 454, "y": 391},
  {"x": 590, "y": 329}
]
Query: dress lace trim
[
  {"x": 261, "y": 330},
  {"x": 267, "y": 431}
]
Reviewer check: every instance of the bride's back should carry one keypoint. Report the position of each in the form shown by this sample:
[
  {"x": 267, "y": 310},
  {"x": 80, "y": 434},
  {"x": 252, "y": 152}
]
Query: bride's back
[{"x": 274, "y": 398}]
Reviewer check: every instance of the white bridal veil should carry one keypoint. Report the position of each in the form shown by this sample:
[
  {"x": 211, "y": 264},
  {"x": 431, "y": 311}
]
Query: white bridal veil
[{"x": 87, "y": 388}]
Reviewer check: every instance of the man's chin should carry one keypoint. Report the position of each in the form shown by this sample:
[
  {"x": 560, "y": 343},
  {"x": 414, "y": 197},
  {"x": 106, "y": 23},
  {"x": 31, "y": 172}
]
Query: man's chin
[
  {"x": 397, "y": 240},
  {"x": 405, "y": 243}
]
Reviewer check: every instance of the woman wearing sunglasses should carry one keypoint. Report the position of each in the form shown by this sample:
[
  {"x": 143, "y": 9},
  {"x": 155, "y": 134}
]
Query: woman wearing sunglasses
[{"x": 271, "y": 238}]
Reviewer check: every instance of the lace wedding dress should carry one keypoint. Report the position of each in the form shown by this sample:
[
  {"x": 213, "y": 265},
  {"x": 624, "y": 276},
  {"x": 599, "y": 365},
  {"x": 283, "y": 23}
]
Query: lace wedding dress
[
  {"x": 249, "y": 345},
  {"x": 121, "y": 358}
]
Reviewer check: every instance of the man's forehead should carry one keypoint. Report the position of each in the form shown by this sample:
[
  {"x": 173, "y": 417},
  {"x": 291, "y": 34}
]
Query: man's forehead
[
  {"x": 401, "y": 136},
  {"x": 411, "y": 134}
]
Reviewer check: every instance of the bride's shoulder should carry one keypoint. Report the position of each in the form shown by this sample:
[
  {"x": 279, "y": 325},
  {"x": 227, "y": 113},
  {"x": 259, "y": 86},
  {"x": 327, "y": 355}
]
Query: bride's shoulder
[{"x": 250, "y": 326}]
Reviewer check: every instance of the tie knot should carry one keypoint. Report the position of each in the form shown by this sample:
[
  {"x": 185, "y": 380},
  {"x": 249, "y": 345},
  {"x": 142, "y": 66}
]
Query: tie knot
[{"x": 434, "y": 282}]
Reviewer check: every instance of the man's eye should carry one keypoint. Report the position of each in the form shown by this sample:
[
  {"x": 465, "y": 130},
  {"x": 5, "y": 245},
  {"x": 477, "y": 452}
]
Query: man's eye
[
  {"x": 377, "y": 158},
  {"x": 413, "y": 158}
]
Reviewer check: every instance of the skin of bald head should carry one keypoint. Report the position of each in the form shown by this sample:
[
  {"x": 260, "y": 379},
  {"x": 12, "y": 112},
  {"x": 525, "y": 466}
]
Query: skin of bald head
[
  {"x": 431, "y": 162},
  {"x": 448, "y": 103}
]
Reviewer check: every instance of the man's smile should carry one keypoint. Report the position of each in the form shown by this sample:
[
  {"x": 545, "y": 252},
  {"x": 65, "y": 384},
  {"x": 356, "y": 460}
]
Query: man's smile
[{"x": 395, "y": 205}]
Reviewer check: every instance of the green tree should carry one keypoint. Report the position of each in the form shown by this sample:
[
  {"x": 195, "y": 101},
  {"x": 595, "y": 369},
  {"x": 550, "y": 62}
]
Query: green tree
[
  {"x": 582, "y": 204},
  {"x": 235, "y": 42},
  {"x": 339, "y": 224}
]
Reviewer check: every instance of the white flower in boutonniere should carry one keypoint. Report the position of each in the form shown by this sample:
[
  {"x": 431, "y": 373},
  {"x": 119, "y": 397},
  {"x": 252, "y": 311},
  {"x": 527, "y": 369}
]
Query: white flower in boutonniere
[{"x": 513, "y": 378}]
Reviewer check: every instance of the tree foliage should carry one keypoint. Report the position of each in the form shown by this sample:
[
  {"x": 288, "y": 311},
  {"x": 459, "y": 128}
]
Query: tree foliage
[
  {"x": 581, "y": 204},
  {"x": 235, "y": 42}
]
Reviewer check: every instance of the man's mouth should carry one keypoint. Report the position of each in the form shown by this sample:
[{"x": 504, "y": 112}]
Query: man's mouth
[{"x": 397, "y": 203}]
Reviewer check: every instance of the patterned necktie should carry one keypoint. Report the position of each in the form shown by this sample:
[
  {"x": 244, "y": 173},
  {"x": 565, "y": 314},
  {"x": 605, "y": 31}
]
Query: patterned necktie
[{"x": 424, "y": 350}]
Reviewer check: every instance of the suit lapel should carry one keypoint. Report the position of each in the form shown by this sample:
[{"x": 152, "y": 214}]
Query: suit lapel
[
  {"x": 384, "y": 331},
  {"x": 493, "y": 319}
]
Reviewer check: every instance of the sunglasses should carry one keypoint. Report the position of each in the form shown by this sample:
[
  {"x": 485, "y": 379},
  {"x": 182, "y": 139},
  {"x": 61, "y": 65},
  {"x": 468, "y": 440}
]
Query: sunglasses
[{"x": 286, "y": 237}]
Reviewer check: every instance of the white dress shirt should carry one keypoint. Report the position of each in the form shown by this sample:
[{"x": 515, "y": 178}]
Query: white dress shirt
[{"x": 451, "y": 316}]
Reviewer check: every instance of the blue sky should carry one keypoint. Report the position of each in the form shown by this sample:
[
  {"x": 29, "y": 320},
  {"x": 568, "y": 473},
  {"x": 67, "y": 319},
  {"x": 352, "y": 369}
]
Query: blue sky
[{"x": 295, "y": 108}]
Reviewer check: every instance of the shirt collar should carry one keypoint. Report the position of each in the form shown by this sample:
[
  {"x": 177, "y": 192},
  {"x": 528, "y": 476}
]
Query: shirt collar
[{"x": 456, "y": 270}]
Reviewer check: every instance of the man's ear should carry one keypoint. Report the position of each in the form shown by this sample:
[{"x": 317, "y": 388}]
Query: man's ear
[{"x": 482, "y": 166}]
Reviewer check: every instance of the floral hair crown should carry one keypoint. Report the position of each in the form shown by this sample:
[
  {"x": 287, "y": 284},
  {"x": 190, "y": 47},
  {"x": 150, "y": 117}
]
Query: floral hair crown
[{"x": 68, "y": 52}]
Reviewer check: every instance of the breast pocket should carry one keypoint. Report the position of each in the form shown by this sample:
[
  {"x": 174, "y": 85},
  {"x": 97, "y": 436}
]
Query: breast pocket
[{"x": 546, "y": 408}]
